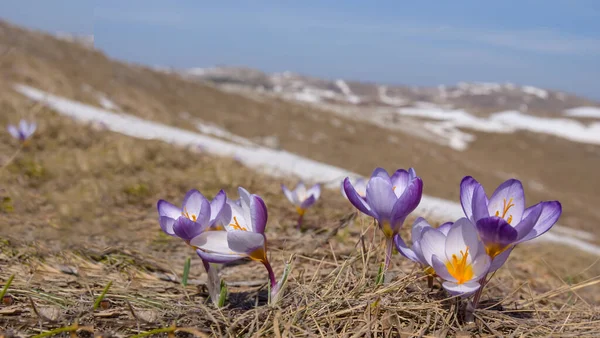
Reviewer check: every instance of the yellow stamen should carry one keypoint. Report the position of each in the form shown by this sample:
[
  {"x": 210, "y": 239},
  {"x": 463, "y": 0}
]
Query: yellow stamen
[
  {"x": 188, "y": 216},
  {"x": 258, "y": 255},
  {"x": 300, "y": 211},
  {"x": 505, "y": 208},
  {"x": 429, "y": 271},
  {"x": 494, "y": 250},
  {"x": 459, "y": 268},
  {"x": 236, "y": 226},
  {"x": 387, "y": 230}
]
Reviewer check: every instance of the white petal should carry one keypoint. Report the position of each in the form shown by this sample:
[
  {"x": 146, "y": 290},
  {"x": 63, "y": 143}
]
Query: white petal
[
  {"x": 418, "y": 227},
  {"x": 463, "y": 290},
  {"x": 441, "y": 269},
  {"x": 481, "y": 266},
  {"x": 433, "y": 242},
  {"x": 462, "y": 234},
  {"x": 245, "y": 241},
  {"x": 14, "y": 132},
  {"x": 237, "y": 215},
  {"x": 314, "y": 191},
  {"x": 300, "y": 193},
  {"x": 214, "y": 242},
  {"x": 290, "y": 195}
]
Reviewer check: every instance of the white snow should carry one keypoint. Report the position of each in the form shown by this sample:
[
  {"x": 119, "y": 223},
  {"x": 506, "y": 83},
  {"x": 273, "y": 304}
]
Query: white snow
[
  {"x": 343, "y": 86},
  {"x": 593, "y": 112},
  {"x": 542, "y": 94},
  {"x": 107, "y": 103},
  {"x": 211, "y": 129},
  {"x": 392, "y": 101},
  {"x": 278, "y": 163}
]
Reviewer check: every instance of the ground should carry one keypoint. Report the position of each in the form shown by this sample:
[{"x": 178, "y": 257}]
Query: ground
[{"x": 78, "y": 211}]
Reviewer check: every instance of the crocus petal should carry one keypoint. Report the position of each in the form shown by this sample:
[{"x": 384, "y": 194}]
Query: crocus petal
[
  {"x": 526, "y": 225},
  {"x": 217, "y": 204},
  {"x": 288, "y": 193},
  {"x": 480, "y": 266},
  {"x": 32, "y": 128},
  {"x": 509, "y": 191},
  {"x": 467, "y": 190},
  {"x": 381, "y": 198},
  {"x": 356, "y": 199},
  {"x": 440, "y": 268},
  {"x": 445, "y": 228},
  {"x": 192, "y": 202},
  {"x": 495, "y": 230},
  {"x": 408, "y": 201},
  {"x": 400, "y": 181},
  {"x": 307, "y": 203},
  {"x": 432, "y": 243},
  {"x": 166, "y": 224},
  {"x": 300, "y": 193},
  {"x": 237, "y": 218},
  {"x": 464, "y": 289},
  {"x": 245, "y": 196},
  {"x": 203, "y": 216},
  {"x": 167, "y": 209},
  {"x": 258, "y": 213},
  {"x": 23, "y": 126},
  {"x": 479, "y": 204},
  {"x": 187, "y": 229},
  {"x": 499, "y": 260},
  {"x": 213, "y": 242},
  {"x": 417, "y": 229},
  {"x": 13, "y": 131},
  {"x": 405, "y": 250},
  {"x": 380, "y": 172},
  {"x": 315, "y": 191},
  {"x": 218, "y": 258},
  {"x": 462, "y": 235},
  {"x": 245, "y": 241},
  {"x": 551, "y": 212},
  {"x": 361, "y": 187}
]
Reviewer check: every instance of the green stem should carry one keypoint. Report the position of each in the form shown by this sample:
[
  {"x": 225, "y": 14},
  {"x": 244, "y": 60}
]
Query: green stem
[
  {"x": 57, "y": 331},
  {"x": 8, "y": 283},
  {"x": 155, "y": 331},
  {"x": 101, "y": 297}
]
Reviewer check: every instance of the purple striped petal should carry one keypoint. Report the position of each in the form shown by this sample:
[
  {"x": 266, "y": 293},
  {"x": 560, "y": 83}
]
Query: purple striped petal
[
  {"x": 509, "y": 192},
  {"x": 496, "y": 231},
  {"x": 167, "y": 209},
  {"x": 245, "y": 242},
  {"x": 217, "y": 257},
  {"x": 407, "y": 202},
  {"x": 315, "y": 191},
  {"x": 468, "y": 185},
  {"x": 445, "y": 228},
  {"x": 526, "y": 225},
  {"x": 480, "y": 202},
  {"x": 380, "y": 172},
  {"x": 187, "y": 229},
  {"x": 192, "y": 202},
  {"x": 356, "y": 200},
  {"x": 550, "y": 214},
  {"x": 400, "y": 180},
  {"x": 381, "y": 198},
  {"x": 405, "y": 250},
  {"x": 419, "y": 225},
  {"x": 258, "y": 213}
]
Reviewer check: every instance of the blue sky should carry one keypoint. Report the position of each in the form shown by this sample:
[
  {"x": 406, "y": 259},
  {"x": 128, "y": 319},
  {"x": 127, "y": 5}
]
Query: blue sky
[{"x": 547, "y": 43}]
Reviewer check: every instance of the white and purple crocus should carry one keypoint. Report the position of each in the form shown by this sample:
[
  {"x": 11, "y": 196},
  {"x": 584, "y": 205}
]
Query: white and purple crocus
[
  {"x": 302, "y": 198},
  {"x": 389, "y": 200},
  {"x": 502, "y": 221},
  {"x": 23, "y": 131}
]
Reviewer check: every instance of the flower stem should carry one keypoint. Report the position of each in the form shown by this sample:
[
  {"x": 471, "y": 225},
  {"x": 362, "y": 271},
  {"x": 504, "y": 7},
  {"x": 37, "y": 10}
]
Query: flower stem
[
  {"x": 300, "y": 219},
  {"x": 389, "y": 245},
  {"x": 272, "y": 278},
  {"x": 479, "y": 292}
]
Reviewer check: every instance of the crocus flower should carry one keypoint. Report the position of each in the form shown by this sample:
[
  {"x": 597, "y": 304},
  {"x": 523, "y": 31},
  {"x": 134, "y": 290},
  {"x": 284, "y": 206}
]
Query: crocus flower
[
  {"x": 459, "y": 258},
  {"x": 23, "y": 131},
  {"x": 243, "y": 235},
  {"x": 503, "y": 221},
  {"x": 389, "y": 200},
  {"x": 302, "y": 198},
  {"x": 360, "y": 185},
  {"x": 415, "y": 252},
  {"x": 195, "y": 216}
]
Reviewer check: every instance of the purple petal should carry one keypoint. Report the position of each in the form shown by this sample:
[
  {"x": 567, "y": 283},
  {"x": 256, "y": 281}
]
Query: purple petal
[
  {"x": 217, "y": 206},
  {"x": 440, "y": 269},
  {"x": 419, "y": 225},
  {"x": 356, "y": 200},
  {"x": 192, "y": 202},
  {"x": 380, "y": 172},
  {"x": 405, "y": 250},
  {"x": 407, "y": 202},
  {"x": 308, "y": 202},
  {"x": 526, "y": 225},
  {"x": 445, "y": 228},
  {"x": 166, "y": 224},
  {"x": 258, "y": 213},
  {"x": 315, "y": 191},
  {"x": 203, "y": 216},
  {"x": 245, "y": 242},
  {"x": 187, "y": 229},
  {"x": 412, "y": 174},
  {"x": 400, "y": 181},
  {"x": 23, "y": 126},
  {"x": 381, "y": 198},
  {"x": 479, "y": 204},
  {"x": 551, "y": 212},
  {"x": 14, "y": 132},
  {"x": 507, "y": 192},
  {"x": 167, "y": 209},
  {"x": 217, "y": 258},
  {"x": 432, "y": 244},
  {"x": 496, "y": 231},
  {"x": 32, "y": 128},
  {"x": 499, "y": 260},
  {"x": 467, "y": 190},
  {"x": 288, "y": 193},
  {"x": 463, "y": 290}
]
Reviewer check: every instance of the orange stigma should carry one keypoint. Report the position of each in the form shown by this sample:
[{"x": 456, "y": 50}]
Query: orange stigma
[
  {"x": 188, "y": 216},
  {"x": 459, "y": 268},
  {"x": 236, "y": 226},
  {"x": 505, "y": 208}
]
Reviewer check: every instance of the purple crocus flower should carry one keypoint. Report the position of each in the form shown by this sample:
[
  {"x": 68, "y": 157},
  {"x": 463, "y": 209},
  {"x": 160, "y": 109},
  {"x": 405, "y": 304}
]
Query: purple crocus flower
[
  {"x": 302, "y": 198},
  {"x": 23, "y": 131},
  {"x": 195, "y": 216},
  {"x": 502, "y": 220},
  {"x": 388, "y": 199},
  {"x": 243, "y": 235},
  {"x": 415, "y": 253},
  {"x": 360, "y": 185}
]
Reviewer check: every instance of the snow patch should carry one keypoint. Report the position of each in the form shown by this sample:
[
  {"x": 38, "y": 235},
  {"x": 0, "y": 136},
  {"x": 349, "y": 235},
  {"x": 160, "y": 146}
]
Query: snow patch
[
  {"x": 542, "y": 94},
  {"x": 343, "y": 86},
  {"x": 593, "y": 112},
  {"x": 277, "y": 163},
  {"x": 392, "y": 101}
]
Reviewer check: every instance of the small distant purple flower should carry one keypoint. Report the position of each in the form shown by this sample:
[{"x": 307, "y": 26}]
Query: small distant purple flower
[
  {"x": 195, "y": 216},
  {"x": 388, "y": 199},
  {"x": 503, "y": 221},
  {"x": 23, "y": 131},
  {"x": 301, "y": 197}
]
